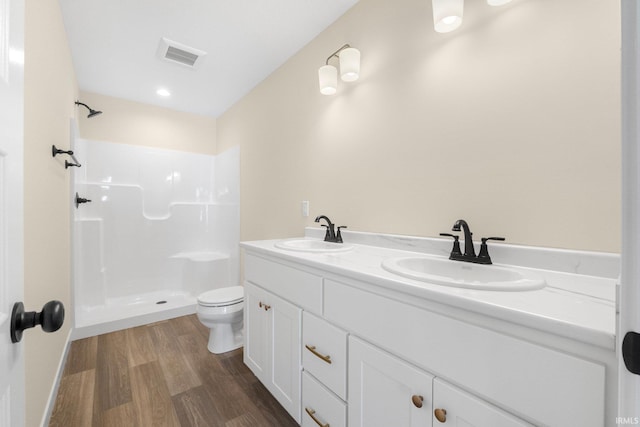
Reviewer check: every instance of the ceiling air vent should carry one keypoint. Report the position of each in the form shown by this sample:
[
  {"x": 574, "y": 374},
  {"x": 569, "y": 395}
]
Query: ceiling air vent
[{"x": 178, "y": 53}]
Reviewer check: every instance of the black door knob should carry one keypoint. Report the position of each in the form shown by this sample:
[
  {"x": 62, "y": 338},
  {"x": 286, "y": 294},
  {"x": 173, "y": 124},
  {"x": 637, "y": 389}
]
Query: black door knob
[{"x": 50, "y": 318}]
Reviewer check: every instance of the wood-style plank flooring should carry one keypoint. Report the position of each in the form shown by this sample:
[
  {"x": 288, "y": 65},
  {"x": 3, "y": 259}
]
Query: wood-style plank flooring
[{"x": 161, "y": 374}]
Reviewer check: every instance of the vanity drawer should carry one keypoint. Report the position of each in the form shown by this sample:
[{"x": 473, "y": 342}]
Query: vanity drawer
[
  {"x": 299, "y": 287},
  {"x": 319, "y": 403},
  {"x": 324, "y": 353}
]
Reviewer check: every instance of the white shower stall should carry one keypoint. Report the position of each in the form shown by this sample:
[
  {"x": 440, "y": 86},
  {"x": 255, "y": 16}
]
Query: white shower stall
[{"x": 161, "y": 227}]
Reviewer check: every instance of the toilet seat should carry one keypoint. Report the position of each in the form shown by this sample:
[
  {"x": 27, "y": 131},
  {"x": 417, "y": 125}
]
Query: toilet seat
[{"x": 222, "y": 297}]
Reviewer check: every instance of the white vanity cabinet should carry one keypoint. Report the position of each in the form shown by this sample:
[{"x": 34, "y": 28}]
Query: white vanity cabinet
[
  {"x": 338, "y": 351},
  {"x": 272, "y": 345}
]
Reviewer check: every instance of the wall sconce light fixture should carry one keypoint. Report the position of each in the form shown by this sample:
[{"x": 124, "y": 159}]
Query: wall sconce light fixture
[
  {"x": 349, "y": 69},
  {"x": 447, "y": 14}
]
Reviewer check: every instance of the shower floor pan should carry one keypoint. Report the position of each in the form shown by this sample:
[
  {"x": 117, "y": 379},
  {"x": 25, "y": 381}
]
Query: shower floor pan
[{"x": 133, "y": 310}]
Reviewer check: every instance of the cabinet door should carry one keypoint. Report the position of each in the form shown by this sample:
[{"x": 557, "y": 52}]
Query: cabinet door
[
  {"x": 256, "y": 331},
  {"x": 285, "y": 375},
  {"x": 272, "y": 345},
  {"x": 386, "y": 391},
  {"x": 457, "y": 408}
]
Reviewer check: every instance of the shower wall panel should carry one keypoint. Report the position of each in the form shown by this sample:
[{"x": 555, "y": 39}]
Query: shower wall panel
[{"x": 159, "y": 220}]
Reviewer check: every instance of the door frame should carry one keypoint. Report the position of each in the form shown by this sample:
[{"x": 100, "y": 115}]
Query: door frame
[{"x": 628, "y": 296}]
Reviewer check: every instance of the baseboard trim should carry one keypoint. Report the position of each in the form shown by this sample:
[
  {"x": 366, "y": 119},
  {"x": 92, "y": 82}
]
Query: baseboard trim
[{"x": 46, "y": 416}]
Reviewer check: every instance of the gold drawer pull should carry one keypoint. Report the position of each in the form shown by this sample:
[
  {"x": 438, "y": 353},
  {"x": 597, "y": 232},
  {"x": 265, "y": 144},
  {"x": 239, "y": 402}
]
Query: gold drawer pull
[
  {"x": 311, "y": 413},
  {"x": 417, "y": 400},
  {"x": 265, "y": 306},
  {"x": 441, "y": 415},
  {"x": 312, "y": 349}
]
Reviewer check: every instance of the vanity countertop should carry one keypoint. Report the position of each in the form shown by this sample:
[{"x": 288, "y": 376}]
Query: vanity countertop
[{"x": 573, "y": 304}]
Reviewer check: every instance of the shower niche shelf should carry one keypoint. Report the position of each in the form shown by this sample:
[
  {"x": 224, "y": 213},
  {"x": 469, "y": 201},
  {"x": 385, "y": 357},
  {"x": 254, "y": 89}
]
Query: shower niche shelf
[{"x": 201, "y": 256}]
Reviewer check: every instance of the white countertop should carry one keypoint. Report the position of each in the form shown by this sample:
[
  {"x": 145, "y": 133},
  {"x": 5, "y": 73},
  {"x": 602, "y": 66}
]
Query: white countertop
[{"x": 576, "y": 306}]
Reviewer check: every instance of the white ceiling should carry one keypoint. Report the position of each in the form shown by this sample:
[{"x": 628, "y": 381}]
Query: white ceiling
[{"x": 114, "y": 46}]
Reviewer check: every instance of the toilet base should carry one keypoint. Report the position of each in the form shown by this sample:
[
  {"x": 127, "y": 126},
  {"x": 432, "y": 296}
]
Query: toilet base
[{"x": 224, "y": 338}]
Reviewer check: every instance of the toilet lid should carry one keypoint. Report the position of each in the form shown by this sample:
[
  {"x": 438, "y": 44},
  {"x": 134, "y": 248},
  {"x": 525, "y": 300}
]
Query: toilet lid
[{"x": 223, "y": 296}]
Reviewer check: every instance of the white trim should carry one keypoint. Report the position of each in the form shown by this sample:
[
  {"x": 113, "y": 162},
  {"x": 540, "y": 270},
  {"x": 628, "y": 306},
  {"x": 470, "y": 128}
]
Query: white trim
[
  {"x": 46, "y": 416},
  {"x": 4, "y": 41},
  {"x": 629, "y": 295}
]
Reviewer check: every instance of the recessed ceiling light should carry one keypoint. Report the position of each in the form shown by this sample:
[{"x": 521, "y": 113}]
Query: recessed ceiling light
[{"x": 163, "y": 92}]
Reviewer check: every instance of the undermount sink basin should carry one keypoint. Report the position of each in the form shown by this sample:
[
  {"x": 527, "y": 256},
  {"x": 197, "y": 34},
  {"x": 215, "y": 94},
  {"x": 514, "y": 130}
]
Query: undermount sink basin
[
  {"x": 309, "y": 245},
  {"x": 442, "y": 271}
]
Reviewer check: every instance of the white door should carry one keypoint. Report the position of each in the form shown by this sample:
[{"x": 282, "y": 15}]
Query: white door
[
  {"x": 11, "y": 188},
  {"x": 629, "y": 295},
  {"x": 386, "y": 391}
]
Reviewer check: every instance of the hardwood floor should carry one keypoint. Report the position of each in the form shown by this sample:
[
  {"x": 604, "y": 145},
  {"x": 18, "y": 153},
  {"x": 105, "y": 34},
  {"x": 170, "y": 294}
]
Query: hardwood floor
[{"x": 161, "y": 375}]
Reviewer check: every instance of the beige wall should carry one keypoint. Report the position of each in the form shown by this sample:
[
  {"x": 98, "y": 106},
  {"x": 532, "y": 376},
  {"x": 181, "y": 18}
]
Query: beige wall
[
  {"x": 50, "y": 90},
  {"x": 129, "y": 122},
  {"x": 512, "y": 122}
]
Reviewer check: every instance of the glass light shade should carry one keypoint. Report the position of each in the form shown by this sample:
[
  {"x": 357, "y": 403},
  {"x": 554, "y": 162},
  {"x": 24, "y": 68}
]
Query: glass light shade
[
  {"x": 349, "y": 64},
  {"x": 328, "y": 79},
  {"x": 497, "y": 2},
  {"x": 447, "y": 14}
]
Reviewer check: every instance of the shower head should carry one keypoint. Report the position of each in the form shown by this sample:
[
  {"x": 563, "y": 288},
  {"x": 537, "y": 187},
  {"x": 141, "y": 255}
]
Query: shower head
[{"x": 92, "y": 112}]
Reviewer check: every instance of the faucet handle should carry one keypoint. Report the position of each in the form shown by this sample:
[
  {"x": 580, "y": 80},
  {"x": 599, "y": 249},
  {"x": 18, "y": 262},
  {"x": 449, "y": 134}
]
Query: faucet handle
[
  {"x": 339, "y": 235},
  {"x": 483, "y": 256},
  {"x": 327, "y": 235},
  {"x": 455, "y": 252}
]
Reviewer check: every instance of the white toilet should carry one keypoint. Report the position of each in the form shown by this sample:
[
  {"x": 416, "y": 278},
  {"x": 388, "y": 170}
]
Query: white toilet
[{"x": 220, "y": 310}]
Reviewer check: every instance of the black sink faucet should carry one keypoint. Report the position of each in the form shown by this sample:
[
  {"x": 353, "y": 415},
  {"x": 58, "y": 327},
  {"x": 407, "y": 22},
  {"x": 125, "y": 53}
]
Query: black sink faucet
[
  {"x": 469, "y": 251},
  {"x": 330, "y": 235}
]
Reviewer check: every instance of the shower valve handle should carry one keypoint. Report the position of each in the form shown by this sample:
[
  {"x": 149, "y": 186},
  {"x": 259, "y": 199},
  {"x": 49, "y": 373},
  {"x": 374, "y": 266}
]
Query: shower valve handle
[
  {"x": 55, "y": 150},
  {"x": 80, "y": 200},
  {"x": 68, "y": 164}
]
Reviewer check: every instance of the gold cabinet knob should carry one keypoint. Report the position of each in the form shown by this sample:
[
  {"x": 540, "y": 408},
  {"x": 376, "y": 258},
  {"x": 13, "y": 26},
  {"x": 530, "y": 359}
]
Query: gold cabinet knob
[
  {"x": 417, "y": 400},
  {"x": 441, "y": 415}
]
